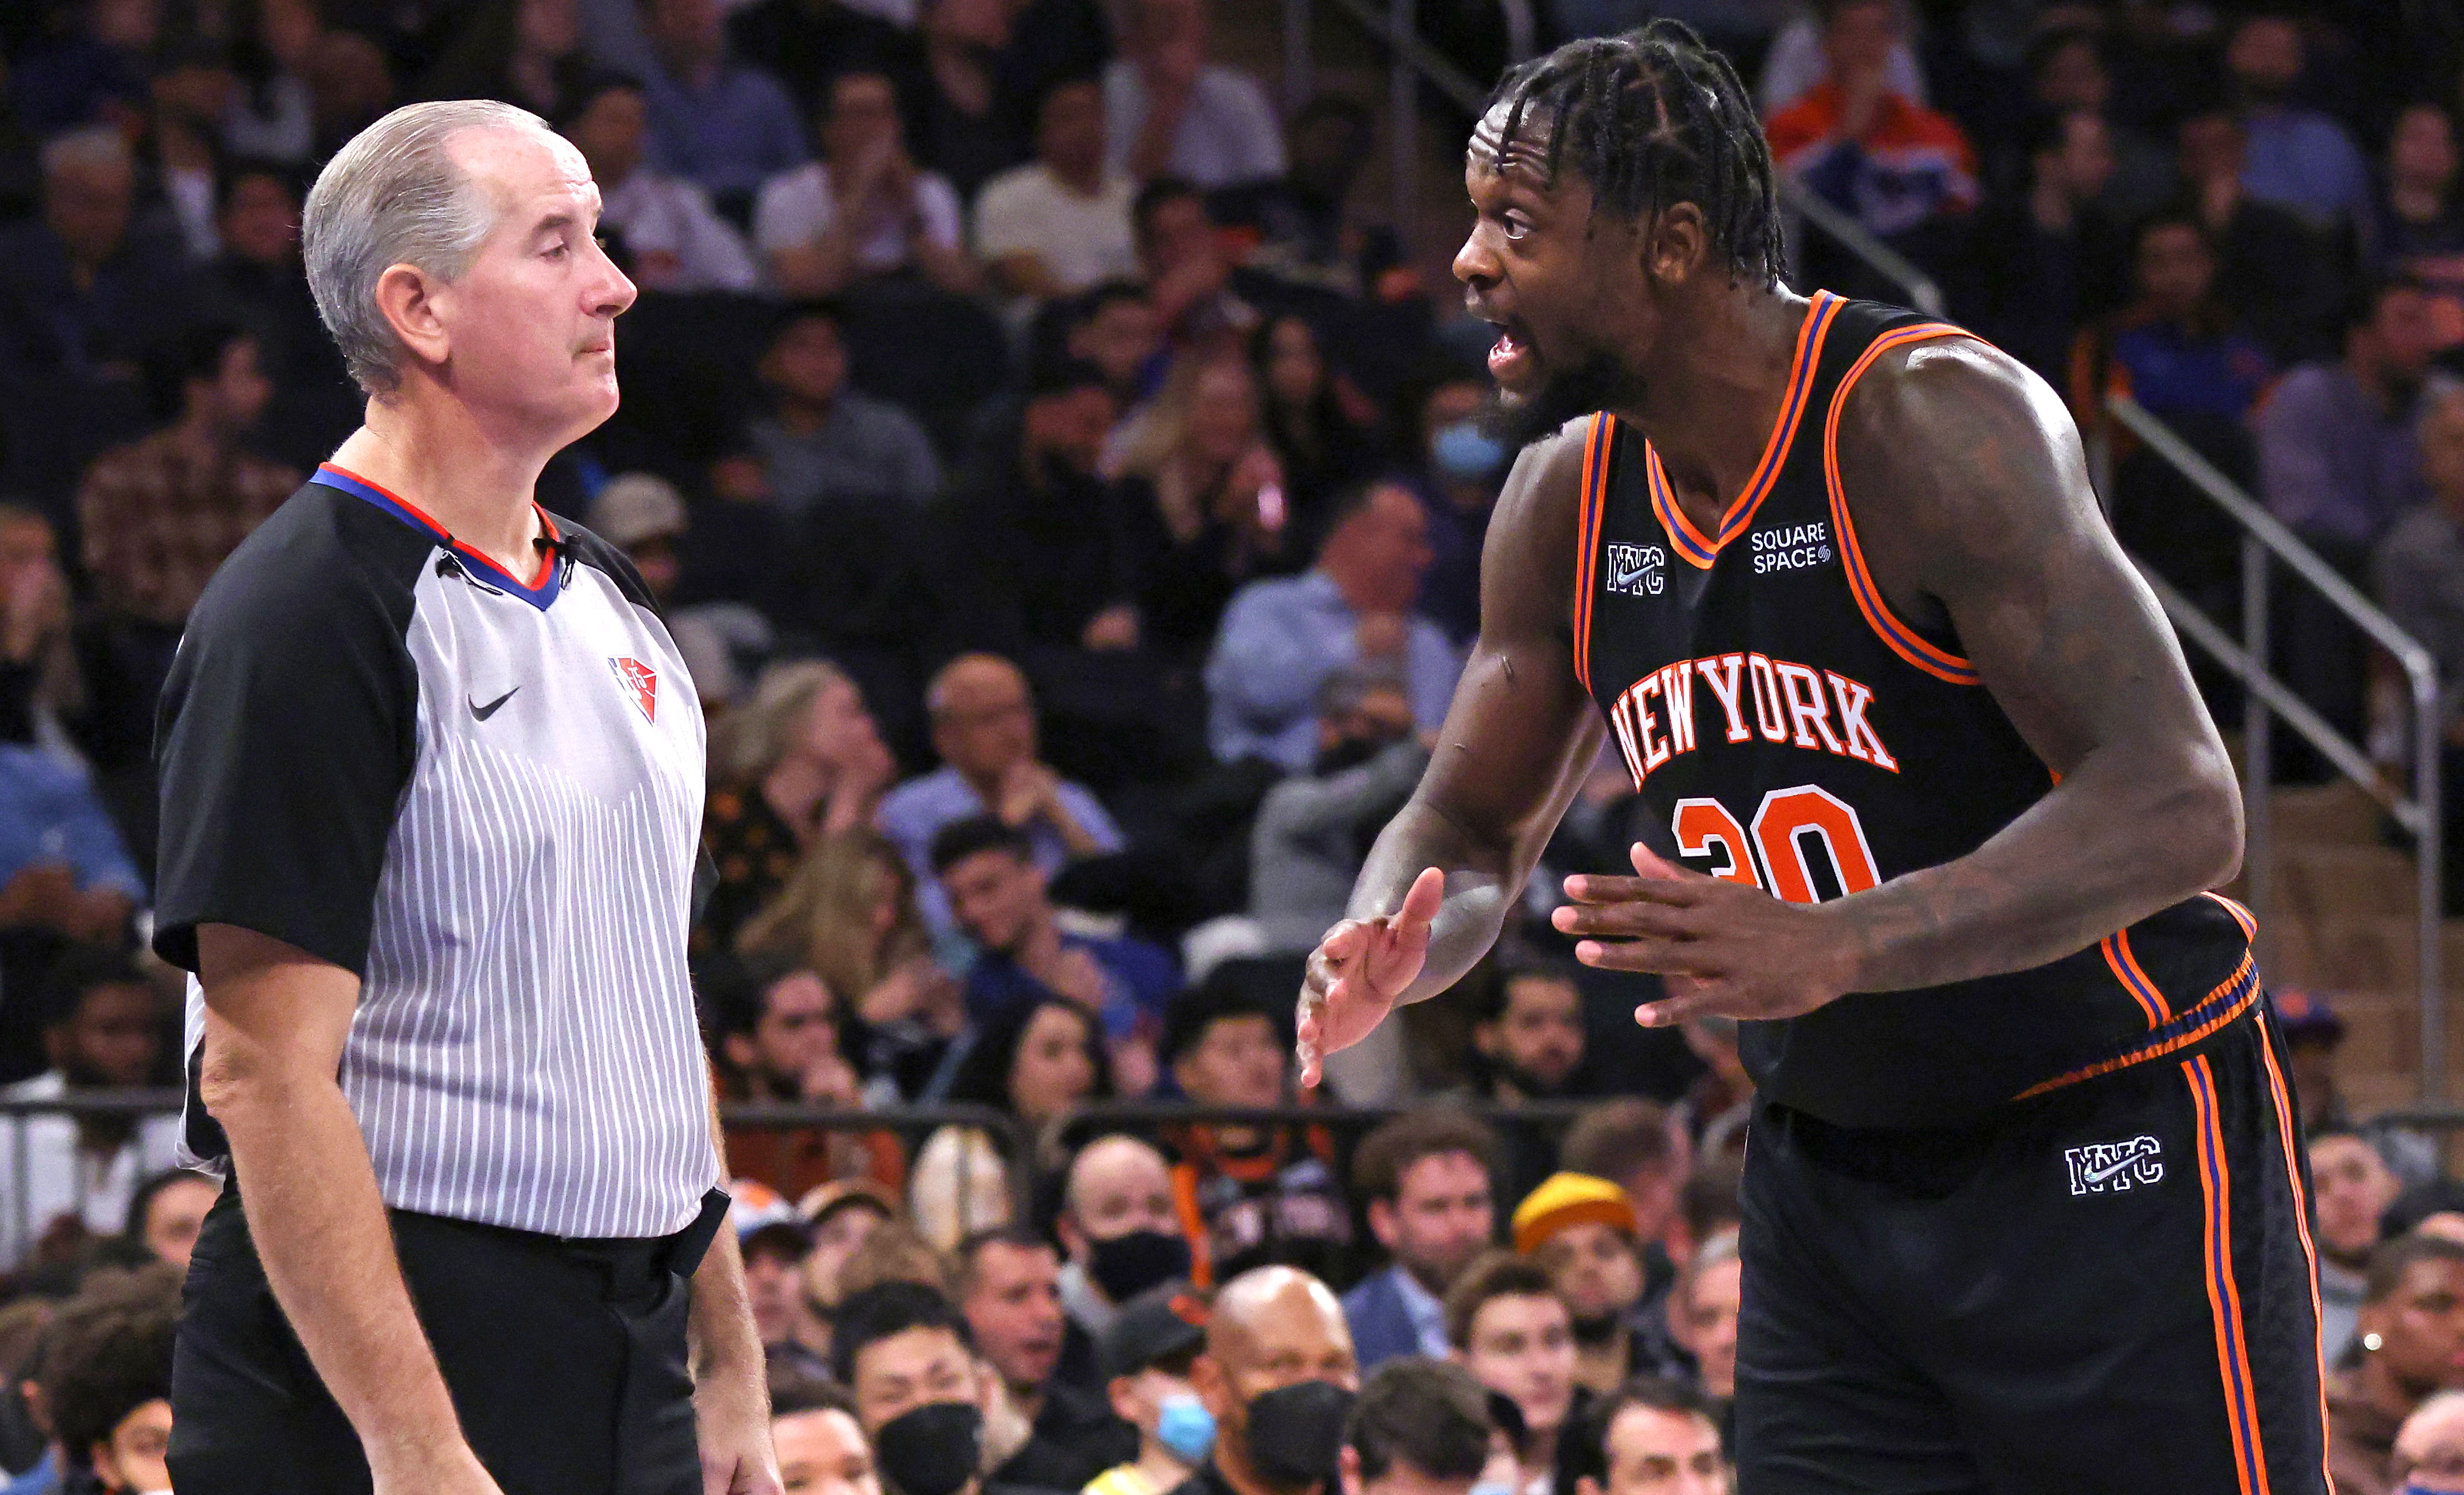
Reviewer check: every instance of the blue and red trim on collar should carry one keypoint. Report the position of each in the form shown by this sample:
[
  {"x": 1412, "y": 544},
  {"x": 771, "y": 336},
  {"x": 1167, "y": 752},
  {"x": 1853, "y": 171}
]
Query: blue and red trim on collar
[{"x": 538, "y": 591}]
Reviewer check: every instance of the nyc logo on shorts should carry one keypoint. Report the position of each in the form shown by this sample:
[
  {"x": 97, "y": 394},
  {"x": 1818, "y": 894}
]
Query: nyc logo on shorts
[
  {"x": 1637, "y": 570},
  {"x": 2116, "y": 1166}
]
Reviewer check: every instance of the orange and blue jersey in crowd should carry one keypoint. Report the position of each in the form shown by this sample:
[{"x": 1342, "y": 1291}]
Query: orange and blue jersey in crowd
[{"x": 1907, "y": 166}]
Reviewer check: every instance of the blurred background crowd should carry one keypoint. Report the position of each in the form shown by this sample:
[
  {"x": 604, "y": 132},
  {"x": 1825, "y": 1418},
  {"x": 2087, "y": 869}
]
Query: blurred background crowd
[{"x": 1065, "y": 483}]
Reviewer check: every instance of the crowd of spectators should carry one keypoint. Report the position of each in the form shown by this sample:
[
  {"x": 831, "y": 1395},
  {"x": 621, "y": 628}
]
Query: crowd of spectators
[{"x": 1070, "y": 498}]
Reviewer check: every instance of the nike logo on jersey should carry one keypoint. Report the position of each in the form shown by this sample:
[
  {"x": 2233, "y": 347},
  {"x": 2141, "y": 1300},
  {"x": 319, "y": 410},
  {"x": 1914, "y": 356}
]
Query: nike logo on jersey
[
  {"x": 1637, "y": 570},
  {"x": 2099, "y": 1166},
  {"x": 479, "y": 713},
  {"x": 1745, "y": 696},
  {"x": 1795, "y": 548}
]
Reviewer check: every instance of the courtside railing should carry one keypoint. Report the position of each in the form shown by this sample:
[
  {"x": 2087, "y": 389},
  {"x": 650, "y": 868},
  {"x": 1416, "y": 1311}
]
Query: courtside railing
[
  {"x": 2265, "y": 545},
  {"x": 1012, "y": 1138}
]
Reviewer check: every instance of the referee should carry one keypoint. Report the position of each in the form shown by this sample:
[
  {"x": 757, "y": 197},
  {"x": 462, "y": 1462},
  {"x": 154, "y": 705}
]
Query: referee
[{"x": 432, "y": 777}]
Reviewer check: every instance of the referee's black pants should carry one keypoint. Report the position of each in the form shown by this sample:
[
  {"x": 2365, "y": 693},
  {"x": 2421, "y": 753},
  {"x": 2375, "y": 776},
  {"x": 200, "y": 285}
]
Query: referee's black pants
[{"x": 566, "y": 1361}]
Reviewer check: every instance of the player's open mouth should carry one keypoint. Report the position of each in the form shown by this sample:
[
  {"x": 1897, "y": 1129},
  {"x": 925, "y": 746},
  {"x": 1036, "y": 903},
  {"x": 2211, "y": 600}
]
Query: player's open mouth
[{"x": 1510, "y": 359}]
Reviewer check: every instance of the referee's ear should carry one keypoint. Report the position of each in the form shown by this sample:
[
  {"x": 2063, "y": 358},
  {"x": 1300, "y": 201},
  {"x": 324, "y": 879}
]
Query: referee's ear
[{"x": 407, "y": 297}]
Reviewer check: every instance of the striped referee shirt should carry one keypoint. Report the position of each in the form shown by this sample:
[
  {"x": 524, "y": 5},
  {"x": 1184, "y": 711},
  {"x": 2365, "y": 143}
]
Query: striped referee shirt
[{"x": 483, "y": 796}]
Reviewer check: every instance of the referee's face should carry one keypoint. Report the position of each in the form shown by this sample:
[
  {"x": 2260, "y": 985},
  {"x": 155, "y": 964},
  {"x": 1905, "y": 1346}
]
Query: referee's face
[{"x": 528, "y": 331}]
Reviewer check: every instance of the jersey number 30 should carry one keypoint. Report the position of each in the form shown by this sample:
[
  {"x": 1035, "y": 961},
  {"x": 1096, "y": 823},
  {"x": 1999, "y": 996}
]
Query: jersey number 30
[{"x": 1778, "y": 851}]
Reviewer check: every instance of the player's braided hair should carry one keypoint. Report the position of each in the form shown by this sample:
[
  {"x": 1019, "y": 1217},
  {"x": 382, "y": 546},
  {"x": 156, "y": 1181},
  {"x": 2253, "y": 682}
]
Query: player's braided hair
[{"x": 1651, "y": 118}]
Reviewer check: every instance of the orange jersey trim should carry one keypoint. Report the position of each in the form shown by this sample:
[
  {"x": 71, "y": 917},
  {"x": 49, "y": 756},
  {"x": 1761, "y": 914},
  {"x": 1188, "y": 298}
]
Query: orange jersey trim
[
  {"x": 2224, "y": 1293},
  {"x": 2125, "y": 969},
  {"x": 1597, "y": 444},
  {"x": 1689, "y": 541},
  {"x": 2242, "y": 916},
  {"x": 2283, "y": 1102},
  {"x": 1902, "y": 640},
  {"x": 2235, "y": 996}
]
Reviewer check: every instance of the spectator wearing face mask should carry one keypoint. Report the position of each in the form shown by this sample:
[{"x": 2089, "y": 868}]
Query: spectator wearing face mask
[
  {"x": 1461, "y": 466},
  {"x": 1426, "y": 1178},
  {"x": 1278, "y": 1377},
  {"x": 1121, "y": 1230},
  {"x": 2429, "y": 1449},
  {"x": 1146, "y": 1354},
  {"x": 920, "y": 1394},
  {"x": 821, "y": 1446},
  {"x": 1422, "y": 1427},
  {"x": 2411, "y": 1346}
]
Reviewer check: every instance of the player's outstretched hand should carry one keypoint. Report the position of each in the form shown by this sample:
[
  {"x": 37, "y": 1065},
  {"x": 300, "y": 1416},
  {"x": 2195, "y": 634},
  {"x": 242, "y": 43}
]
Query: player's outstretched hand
[
  {"x": 1359, "y": 970},
  {"x": 1723, "y": 948}
]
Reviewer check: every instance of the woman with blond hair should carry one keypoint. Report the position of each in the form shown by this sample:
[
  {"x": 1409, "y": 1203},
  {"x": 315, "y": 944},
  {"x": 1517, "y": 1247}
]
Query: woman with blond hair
[
  {"x": 1218, "y": 516},
  {"x": 803, "y": 760},
  {"x": 849, "y": 914}
]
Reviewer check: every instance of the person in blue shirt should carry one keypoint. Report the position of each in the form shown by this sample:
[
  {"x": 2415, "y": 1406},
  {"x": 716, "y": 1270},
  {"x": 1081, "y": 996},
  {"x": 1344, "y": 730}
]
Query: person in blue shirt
[
  {"x": 984, "y": 730},
  {"x": 726, "y": 126},
  {"x": 996, "y": 892},
  {"x": 1281, "y": 638},
  {"x": 62, "y": 864},
  {"x": 2298, "y": 157}
]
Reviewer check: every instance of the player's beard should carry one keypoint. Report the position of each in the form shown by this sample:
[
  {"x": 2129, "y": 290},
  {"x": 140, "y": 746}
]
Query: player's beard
[{"x": 1598, "y": 382}]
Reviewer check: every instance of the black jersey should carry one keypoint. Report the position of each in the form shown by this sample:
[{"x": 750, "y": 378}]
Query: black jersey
[{"x": 1788, "y": 731}]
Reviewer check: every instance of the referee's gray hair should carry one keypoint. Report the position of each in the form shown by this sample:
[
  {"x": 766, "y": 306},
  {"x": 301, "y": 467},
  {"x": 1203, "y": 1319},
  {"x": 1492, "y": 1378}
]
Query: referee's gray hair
[{"x": 394, "y": 195}]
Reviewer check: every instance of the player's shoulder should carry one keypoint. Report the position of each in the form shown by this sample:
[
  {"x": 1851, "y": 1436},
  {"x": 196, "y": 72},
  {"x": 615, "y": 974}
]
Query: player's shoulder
[
  {"x": 1953, "y": 391},
  {"x": 1550, "y": 471}
]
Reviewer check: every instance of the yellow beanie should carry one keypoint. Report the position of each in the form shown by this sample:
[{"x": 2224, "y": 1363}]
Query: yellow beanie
[{"x": 1569, "y": 1200}]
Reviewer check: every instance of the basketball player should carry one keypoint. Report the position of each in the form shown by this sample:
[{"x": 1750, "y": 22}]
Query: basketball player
[{"x": 1933, "y": 808}]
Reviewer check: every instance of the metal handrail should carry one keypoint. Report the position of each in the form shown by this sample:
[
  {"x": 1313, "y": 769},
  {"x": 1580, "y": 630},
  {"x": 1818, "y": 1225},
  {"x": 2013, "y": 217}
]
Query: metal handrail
[
  {"x": 1016, "y": 1141},
  {"x": 1796, "y": 198},
  {"x": 2266, "y": 541}
]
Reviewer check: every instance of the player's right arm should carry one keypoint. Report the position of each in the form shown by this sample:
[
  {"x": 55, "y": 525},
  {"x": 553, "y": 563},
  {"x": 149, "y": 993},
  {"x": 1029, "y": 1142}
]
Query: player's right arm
[
  {"x": 276, "y": 1021},
  {"x": 1516, "y": 744}
]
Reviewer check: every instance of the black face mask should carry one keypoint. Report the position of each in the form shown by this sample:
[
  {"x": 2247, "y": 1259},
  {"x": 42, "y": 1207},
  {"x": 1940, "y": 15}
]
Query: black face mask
[
  {"x": 931, "y": 1450},
  {"x": 1295, "y": 1434},
  {"x": 1127, "y": 1265}
]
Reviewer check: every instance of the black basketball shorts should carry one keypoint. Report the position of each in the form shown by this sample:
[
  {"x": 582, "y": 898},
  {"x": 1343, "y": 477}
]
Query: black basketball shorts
[{"x": 2108, "y": 1289}]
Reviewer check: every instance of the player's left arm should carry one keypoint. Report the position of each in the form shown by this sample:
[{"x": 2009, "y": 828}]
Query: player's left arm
[{"x": 1971, "y": 503}]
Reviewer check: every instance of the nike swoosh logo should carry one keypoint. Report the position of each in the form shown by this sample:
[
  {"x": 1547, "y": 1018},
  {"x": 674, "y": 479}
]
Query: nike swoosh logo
[
  {"x": 479, "y": 713},
  {"x": 2099, "y": 1175}
]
